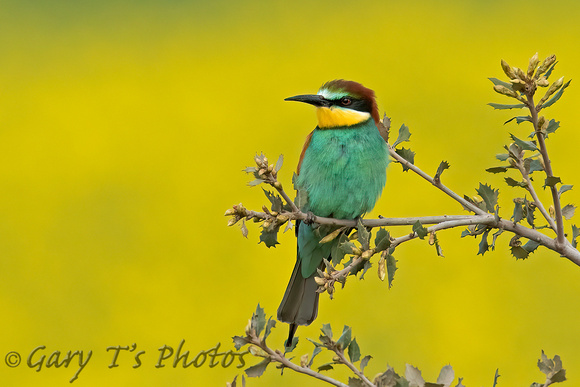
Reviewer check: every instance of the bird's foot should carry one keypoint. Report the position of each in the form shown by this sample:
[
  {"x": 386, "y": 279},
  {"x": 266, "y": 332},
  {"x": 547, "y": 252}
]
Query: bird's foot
[{"x": 309, "y": 218}]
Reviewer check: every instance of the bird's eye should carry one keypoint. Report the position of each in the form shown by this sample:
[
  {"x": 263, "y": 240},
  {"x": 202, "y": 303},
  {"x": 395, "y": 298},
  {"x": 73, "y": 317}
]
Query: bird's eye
[{"x": 345, "y": 101}]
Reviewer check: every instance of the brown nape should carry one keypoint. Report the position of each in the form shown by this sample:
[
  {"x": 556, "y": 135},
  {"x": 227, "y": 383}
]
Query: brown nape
[{"x": 356, "y": 89}]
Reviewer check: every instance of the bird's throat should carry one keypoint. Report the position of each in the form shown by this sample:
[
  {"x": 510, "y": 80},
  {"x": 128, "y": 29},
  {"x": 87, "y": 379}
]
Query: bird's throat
[{"x": 334, "y": 117}]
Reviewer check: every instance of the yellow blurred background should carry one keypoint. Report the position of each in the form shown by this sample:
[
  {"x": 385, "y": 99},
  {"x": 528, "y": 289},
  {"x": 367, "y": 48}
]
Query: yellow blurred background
[{"x": 124, "y": 127}]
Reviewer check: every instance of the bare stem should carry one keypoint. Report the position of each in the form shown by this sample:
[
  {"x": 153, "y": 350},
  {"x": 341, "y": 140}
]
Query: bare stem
[
  {"x": 352, "y": 367},
  {"x": 560, "y": 239}
]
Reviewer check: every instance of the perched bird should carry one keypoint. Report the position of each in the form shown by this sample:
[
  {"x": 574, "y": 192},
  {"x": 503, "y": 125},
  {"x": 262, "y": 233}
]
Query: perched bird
[{"x": 342, "y": 169}]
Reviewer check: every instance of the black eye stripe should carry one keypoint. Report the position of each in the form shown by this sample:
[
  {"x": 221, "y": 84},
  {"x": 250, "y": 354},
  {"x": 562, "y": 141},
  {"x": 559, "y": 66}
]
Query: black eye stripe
[{"x": 361, "y": 105}]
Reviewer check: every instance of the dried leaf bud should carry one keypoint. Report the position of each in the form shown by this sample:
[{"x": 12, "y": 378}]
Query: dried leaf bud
[
  {"x": 507, "y": 69},
  {"x": 432, "y": 238},
  {"x": 552, "y": 89},
  {"x": 304, "y": 360},
  {"x": 519, "y": 73},
  {"x": 336, "y": 359},
  {"x": 248, "y": 329},
  {"x": 319, "y": 281},
  {"x": 543, "y": 82},
  {"x": 326, "y": 275},
  {"x": 552, "y": 212},
  {"x": 505, "y": 91},
  {"x": 533, "y": 64},
  {"x": 367, "y": 254},
  {"x": 545, "y": 65},
  {"x": 356, "y": 250},
  {"x": 233, "y": 221},
  {"x": 270, "y": 167},
  {"x": 230, "y": 211},
  {"x": 282, "y": 219},
  {"x": 541, "y": 122},
  {"x": 277, "y": 185},
  {"x": 274, "y": 213},
  {"x": 262, "y": 171},
  {"x": 330, "y": 237},
  {"x": 542, "y": 162},
  {"x": 382, "y": 268},
  {"x": 267, "y": 224},
  {"x": 258, "y": 160}
]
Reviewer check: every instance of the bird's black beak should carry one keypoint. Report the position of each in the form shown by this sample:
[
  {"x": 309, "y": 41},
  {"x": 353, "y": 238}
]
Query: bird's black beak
[{"x": 313, "y": 99}]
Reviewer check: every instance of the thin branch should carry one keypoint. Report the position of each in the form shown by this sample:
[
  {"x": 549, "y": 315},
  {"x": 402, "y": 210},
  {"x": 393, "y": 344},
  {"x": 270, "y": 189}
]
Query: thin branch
[
  {"x": 560, "y": 239},
  {"x": 537, "y": 201},
  {"x": 467, "y": 205},
  {"x": 353, "y": 368}
]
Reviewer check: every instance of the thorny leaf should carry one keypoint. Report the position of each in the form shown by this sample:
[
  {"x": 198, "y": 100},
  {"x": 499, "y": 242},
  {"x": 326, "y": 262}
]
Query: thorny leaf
[
  {"x": 551, "y": 181},
  {"x": 420, "y": 230},
  {"x": 326, "y": 367},
  {"x": 483, "y": 245},
  {"x": 258, "y": 369},
  {"x": 519, "y": 119},
  {"x": 514, "y": 183},
  {"x": 363, "y": 235},
  {"x": 239, "y": 342},
  {"x": 442, "y": 166},
  {"x": 404, "y": 135},
  {"x": 279, "y": 163},
  {"x": 255, "y": 182},
  {"x": 274, "y": 199},
  {"x": 270, "y": 236},
  {"x": 408, "y": 155},
  {"x": 496, "y": 81},
  {"x": 391, "y": 268},
  {"x": 382, "y": 240},
  {"x": 525, "y": 145},
  {"x": 497, "y": 169},
  {"x": 337, "y": 253},
  {"x": 244, "y": 228},
  {"x": 489, "y": 196},
  {"x": 271, "y": 324},
  {"x": 327, "y": 330},
  {"x": 446, "y": 376},
  {"x": 345, "y": 338},
  {"x": 364, "y": 362},
  {"x": 496, "y": 377},
  {"x": 315, "y": 352},
  {"x": 355, "y": 382},
  {"x": 575, "y": 234},
  {"x": 568, "y": 211},
  {"x": 258, "y": 320},
  {"x": 353, "y": 351}
]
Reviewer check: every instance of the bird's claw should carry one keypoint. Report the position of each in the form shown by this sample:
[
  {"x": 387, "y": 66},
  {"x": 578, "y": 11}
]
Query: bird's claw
[{"x": 309, "y": 218}]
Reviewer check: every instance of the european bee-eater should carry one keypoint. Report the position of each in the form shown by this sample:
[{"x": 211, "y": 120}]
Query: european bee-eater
[{"x": 342, "y": 169}]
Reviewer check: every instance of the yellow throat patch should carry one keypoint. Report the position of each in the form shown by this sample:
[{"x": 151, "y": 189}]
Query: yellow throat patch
[{"x": 333, "y": 117}]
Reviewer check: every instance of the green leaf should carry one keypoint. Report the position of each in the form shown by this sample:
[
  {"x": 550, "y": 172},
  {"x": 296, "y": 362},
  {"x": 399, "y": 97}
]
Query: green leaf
[
  {"x": 525, "y": 145},
  {"x": 442, "y": 166},
  {"x": 271, "y": 324},
  {"x": 518, "y": 212},
  {"x": 239, "y": 342},
  {"x": 315, "y": 352},
  {"x": 549, "y": 72},
  {"x": 535, "y": 165},
  {"x": 459, "y": 383},
  {"x": 353, "y": 351},
  {"x": 500, "y": 106},
  {"x": 575, "y": 234},
  {"x": 250, "y": 169},
  {"x": 556, "y": 96},
  {"x": 552, "y": 126},
  {"x": 292, "y": 346},
  {"x": 420, "y": 230},
  {"x": 564, "y": 188},
  {"x": 301, "y": 198},
  {"x": 529, "y": 211},
  {"x": 483, "y": 245},
  {"x": 519, "y": 252},
  {"x": 258, "y": 369},
  {"x": 531, "y": 246},
  {"x": 364, "y": 235},
  {"x": 365, "y": 267},
  {"x": 336, "y": 252},
  {"x": 326, "y": 367},
  {"x": 496, "y": 81},
  {"x": 382, "y": 240},
  {"x": 551, "y": 181},
  {"x": 514, "y": 183},
  {"x": 494, "y": 237},
  {"x": 274, "y": 199},
  {"x": 279, "y": 163},
  {"x": 408, "y": 155},
  {"x": 355, "y": 382},
  {"x": 497, "y": 169},
  {"x": 391, "y": 268},
  {"x": 364, "y": 362},
  {"x": 568, "y": 211},
  {"x": 345, "y": 338},
  {"x": 258, "y": 320},
  {"x": 496, "y": 377},
  {"x": 489, "y": 196},
  {"x": 269, "y": 237},
  {"x": 502, "y": 156},
  {"x": 256, "y": 182},
  {"x": 404, "y": 135},
  {"x": 519, "y": 119},
  {"x": 326, "y": 330}
]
